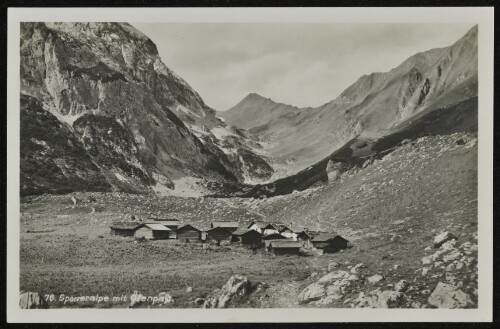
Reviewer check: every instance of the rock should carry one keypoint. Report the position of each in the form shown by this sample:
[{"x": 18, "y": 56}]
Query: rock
[
  {"x": 237, "y": 285},
  {"x": 311, "y": 293},
  {"x": 442, "y": 238},
  {"x": 454, "y": 255},
  {"x": 448, "y": 296},
  {"x": 189, "y": 289},
  {"x": 375, "y": 278},
  {"x": 136, "y": 299},
  {"x": 380, "y": 299},
  {"x": 401, "y": 286},
  {"x": 333, "y": 276},
  {"x": 396, "y": 266},
  {"x": 32, "y": 300},
  {"x": 166, "y": 298},
  {"x": 450, "y": 267},
  {"x": 199, "y": 301},
  {"x": 416, "y": 305},
  {"x": 332, "y": 265},
  {"x": 355, "y": 269}
]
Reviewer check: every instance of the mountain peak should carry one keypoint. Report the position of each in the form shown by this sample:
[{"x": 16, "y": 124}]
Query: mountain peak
[{"x": 255, "y": 96}]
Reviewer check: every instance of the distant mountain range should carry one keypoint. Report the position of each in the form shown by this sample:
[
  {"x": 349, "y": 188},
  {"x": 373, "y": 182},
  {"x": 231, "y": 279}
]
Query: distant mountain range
[
  {"x": 372, "y": 107},
  {"x": 100, "y": 111}
]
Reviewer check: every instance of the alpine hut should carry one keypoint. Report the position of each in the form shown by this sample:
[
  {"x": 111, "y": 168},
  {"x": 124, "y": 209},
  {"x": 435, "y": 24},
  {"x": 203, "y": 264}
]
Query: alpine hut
[
  {"x": 171, "y": 223},
  {"x": 228, "y": 226},
  {"x": 329, "y": 242},
  {"x": 274, "y": 236},
  {"x": 218, "y": 234},
  {"x": 152, "y": 231},
  {"x": 189, "y": 233},
  {"x": 124, "y": 228},
  {"x": 291, "y": 232},
  {"x": 248, "y": 238},
  {"x": 284, "y": 247},
  {"x": 304, "y": 238}
]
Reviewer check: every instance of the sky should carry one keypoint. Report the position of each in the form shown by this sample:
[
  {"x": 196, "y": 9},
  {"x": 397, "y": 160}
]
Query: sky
[{"x": 292, "y": 63}]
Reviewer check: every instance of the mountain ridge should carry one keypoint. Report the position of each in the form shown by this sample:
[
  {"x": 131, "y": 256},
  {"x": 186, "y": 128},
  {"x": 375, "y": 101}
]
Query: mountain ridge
[{"x": 373, "y": 104}]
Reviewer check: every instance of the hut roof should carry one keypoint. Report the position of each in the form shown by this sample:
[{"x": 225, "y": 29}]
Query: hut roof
[
  {"x": 285, "y": 244},
  {"x": 169, "y": 222},
  {"x": 325, "y": 237},
  {"x": 157, "y": 227},
  {"x": 321, "y": 245},
  {"x": 274, "y": 236},
  {"x": 225, "y": 224},
  {"x": 259, "y": 224},
  {"x": 187, "y": 226},
  {"x": 125, "y": 225},
  {"x": 243, "y": 231},
  {"x": 217, "y": 228}
]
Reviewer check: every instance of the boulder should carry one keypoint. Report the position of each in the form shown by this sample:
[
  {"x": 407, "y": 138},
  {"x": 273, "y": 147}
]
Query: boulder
[
  {"x": 332, "y": 266},
  {"x": 237, "y": 285},
  {"x": 401, "y": 286},
  {"x": 311, "y": 293},
  {"x": 380, "y": 299},
  {"x": 32, "y": 300},
  {"x": 136, "y": 299},
  {"x": 442, "y": 238},
  {"x": 355, "y": 269},
  {"x": 447, "y": 295},
  {"x": 189, "y": 289},
  {"x": 375, "y": 278}
]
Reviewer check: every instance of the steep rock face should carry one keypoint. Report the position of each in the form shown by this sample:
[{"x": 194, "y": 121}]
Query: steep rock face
[
  {"x": 376, "y": 103},
  {"x": 107, "y": 82}
]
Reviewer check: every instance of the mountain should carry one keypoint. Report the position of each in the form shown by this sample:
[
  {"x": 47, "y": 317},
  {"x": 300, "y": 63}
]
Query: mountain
[
  {"x": 297, "y": 138},
  {"x": 101, "y": 111}
]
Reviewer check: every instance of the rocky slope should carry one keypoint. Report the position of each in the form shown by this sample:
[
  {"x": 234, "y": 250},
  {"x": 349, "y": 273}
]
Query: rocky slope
[
  {"x": 133, "y": 117},
  {"x": 296, "y": 138}
]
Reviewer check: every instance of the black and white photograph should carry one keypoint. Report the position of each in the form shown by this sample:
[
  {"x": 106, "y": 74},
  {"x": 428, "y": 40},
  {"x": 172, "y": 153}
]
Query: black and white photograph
[{"x": 277, "y": 164}]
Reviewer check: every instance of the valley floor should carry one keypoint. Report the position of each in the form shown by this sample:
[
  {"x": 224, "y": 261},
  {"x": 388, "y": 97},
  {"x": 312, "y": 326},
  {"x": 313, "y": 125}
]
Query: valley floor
[{"x": 391, "y": 210}]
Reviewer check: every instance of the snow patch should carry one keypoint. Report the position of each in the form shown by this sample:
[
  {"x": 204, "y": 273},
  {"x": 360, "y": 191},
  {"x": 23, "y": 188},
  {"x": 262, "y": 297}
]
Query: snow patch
[
  {"x": 187, "y": 111},
  {"x": 221, "y": 132},
  {"x": 121, "y": 178}
]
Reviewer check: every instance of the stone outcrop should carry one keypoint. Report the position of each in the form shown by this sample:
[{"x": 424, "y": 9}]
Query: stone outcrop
[
  {"x": 446, "y": 295},
  {"x": 32, "y": 300},
  {"x": 236, "y": 286}
]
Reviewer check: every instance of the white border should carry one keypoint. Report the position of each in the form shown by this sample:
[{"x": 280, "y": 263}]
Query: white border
[{"x": 484, "y": 16}]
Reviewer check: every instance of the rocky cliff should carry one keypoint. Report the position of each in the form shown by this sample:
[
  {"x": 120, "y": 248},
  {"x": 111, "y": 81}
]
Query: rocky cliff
[{"x": 105, "y": 88}]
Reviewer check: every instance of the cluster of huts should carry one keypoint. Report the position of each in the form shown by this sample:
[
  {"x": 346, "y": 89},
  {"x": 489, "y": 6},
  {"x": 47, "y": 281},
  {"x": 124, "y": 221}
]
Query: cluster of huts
[{"x": 275, "y": 237}]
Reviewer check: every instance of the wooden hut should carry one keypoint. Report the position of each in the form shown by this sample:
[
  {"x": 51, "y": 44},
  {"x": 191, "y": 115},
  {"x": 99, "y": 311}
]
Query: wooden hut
[
  {"x": 152, "y": 231},
  {"x": 291, "y": 232},
  {"x": 329, "y": 242},
  {"x": 218, "y": 234},
  {"x": 228, "y": 226},
  {"x": 284, "y": 247},
  {"x": 304, "y": 238},
  {"x": 270, "y": 229},
  {"x": 248, "y": 238},
  {"x": 189, "y": 233},
  {"x": 256, "y": 226},
  {"x": 124, "y": 228},
  {"x": 172, "y": 223}
]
